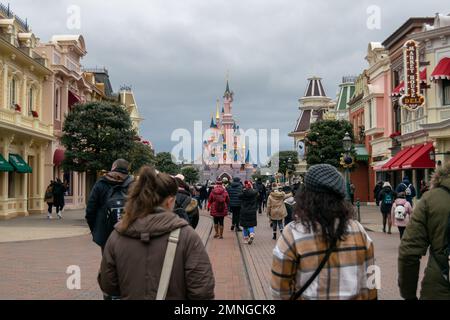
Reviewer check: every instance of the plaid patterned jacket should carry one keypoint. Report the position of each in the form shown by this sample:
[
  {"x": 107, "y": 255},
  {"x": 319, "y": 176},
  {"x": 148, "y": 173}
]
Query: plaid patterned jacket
[{"x": 299, "y": 252}]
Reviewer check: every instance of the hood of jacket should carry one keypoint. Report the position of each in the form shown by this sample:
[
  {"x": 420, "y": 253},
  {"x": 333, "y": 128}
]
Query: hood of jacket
[
  {"x": 249, "y": 193},
  {"x": 441, "y": 177},
  {"x": 218, "y": 190},
  {"x": 153, "y": 225},
  {"x": 235, "y": 184},
  {"x": 115, "y": 177},
  {"x": 277, "y": 195}
]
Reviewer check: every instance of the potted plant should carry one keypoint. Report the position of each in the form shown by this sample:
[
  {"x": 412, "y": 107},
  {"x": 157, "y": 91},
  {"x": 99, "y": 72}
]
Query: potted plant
[
  {"x": 34, "y": 114},
  {"x": 17, "y": 107}
]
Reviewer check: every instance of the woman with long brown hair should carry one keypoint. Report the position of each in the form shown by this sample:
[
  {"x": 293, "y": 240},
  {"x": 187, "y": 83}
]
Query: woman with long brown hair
[
  {"x": 135, "y": 253},
  {"x": 323, "y": 253}
]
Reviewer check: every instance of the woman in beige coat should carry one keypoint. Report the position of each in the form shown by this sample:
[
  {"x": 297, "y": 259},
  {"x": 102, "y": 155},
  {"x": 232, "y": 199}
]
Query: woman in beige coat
[{"x": 276, "y": 210}]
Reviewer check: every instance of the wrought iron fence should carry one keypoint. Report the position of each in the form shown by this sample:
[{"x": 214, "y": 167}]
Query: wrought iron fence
[{"x": 10, "y": 14}]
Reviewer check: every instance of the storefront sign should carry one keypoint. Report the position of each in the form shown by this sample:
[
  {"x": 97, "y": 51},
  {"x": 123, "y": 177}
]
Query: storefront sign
[{"x": 412, "y": 99}]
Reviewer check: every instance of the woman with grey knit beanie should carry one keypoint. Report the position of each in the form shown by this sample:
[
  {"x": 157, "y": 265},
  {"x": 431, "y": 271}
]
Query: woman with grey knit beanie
[{"x": 323, "y": 253}]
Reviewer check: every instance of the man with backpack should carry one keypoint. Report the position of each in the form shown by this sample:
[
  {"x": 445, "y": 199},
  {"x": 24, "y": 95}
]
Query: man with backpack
[
  {"x": 107, "y": 200},
  {"x": 186, "y": 207},
  {"x": 409, "y": 190},
  {"x": 386, "y": 197},
  {"x": 429, "y": 229}
]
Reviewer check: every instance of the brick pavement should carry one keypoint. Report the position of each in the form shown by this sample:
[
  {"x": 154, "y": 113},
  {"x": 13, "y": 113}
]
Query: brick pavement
[
  {"x": 228, "y": 266},
  {"x": 38, "y": 227},
  {"x": 37, "y": 269}
]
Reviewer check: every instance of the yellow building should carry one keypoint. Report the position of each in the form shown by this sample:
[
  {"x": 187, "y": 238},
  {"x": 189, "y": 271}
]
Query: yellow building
[
  {"x": 26, "y": 123},
  {"x": 435, "y": 43},
  {"x": 126, "y": 98}
]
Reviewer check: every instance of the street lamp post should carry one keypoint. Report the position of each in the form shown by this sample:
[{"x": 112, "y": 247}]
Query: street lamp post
[{"x": 347, "y": 144}]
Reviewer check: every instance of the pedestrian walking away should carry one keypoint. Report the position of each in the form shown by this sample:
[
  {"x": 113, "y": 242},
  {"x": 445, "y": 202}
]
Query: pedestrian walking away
[
  {"x": 401, "y": 213},
  {"x": 218, "y": 203},
  {"x": 249, "y": 210},
  {"x": 234, "y": 192},
  {"x": 186, "y": 207},
  {"x": 352, "y": 192},
  {"x": 386, "y": 199},
  {"x": 48, "y": 198},
  {"x": 324, "y": 254},
  {"x": 276, "y": 210},
  {"x": 376, "y": 191},
  {"x": 409, "y": 190},
  {"x": 262, "y": 191},
  {"x": 152, "y": 252},
  {"x": 102, "y": 211},
  {"x": 428, "y": 230},
  {"x": 289, "y": 202},
  {"x": 59, "y": 190}
]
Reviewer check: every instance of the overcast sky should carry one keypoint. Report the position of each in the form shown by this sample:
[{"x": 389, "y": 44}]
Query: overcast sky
[{"x": 175, "y": 54}]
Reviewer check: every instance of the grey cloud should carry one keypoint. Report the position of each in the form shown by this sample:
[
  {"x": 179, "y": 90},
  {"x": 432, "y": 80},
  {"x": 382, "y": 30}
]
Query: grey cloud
[{"x": 175, "y": 54}]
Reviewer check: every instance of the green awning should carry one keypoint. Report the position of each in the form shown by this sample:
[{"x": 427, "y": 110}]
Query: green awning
[
  {"x": 19, "y": 164},
  {"x": 4, "y": 165},
  {"x": 361, "y": 153}
]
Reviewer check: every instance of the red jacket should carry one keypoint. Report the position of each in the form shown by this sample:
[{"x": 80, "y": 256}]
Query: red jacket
[{"x": 218, "y": 191}]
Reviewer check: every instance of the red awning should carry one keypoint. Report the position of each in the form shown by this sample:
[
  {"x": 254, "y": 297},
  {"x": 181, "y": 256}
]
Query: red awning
[
  {"x": 421, "y": 158},
  {"x": 423, "y": 76},
  {"x": 397, "y": 165},
  {"x": 58, "y": 157},
  {"x": 398, "y": 90},
  {"x": 442, "y": 70},
  {"x": 387, "y": 165}
]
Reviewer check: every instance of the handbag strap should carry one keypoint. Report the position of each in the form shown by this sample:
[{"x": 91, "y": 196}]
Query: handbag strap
[
  {"x": 168, "y": 264},
  {"x": 297, "y": 294}
]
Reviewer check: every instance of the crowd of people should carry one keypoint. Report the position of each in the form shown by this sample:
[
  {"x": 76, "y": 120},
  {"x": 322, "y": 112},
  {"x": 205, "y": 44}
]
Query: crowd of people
[{"x": 313, "y": 228}]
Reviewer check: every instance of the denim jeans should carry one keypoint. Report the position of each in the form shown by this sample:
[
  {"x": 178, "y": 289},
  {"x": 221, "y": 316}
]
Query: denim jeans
[
  {"x": 247, "y": 231},
  {"x": 276, "y": 223}
]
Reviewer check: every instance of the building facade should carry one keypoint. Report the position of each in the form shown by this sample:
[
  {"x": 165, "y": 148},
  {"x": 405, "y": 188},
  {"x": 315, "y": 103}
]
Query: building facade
[
  {"x": 409, "y": 139},
  {"x": 26, "y": 124},
  {"x": 314, "y": 106},
  {"x": 69, "y": 87},
  {"x": 346, "y": 91}
]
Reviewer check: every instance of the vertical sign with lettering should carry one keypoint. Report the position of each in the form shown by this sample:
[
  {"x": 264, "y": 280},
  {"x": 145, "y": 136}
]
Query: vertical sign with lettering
[{"x": 412, "y": 99}]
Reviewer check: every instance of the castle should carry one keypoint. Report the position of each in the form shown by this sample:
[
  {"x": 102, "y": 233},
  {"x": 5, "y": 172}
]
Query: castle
[{"x": 224, "y": 152}]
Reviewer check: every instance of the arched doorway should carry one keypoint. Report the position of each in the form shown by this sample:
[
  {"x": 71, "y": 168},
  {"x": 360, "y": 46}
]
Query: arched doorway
[{"x": 225, "y": 175}]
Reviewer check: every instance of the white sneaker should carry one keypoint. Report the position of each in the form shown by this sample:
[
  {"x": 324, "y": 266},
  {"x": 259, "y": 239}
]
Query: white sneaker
[
  {"x": 245, "y": 241},
  {"x": 252, "y": 237},
  {"x": 59, "y": 215},
  {"x": 49, "y": 216}
]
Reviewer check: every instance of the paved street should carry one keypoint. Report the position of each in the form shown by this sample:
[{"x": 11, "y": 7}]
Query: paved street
[{"x": 34, "y": 265}]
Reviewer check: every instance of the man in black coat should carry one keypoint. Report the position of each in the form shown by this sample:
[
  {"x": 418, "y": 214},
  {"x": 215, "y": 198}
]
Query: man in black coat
[
  {"x": 234, "y": 191},
  {"x": 58, "y": 197},
  {"x": 96, "y": 210},
  {"x": 262, "y": 191}
]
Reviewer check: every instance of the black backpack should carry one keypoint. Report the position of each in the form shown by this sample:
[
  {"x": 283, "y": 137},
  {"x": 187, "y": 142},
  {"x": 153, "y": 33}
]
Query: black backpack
[
  {"x": 115, "y": 203},
  {"x": 180, "y": 207}
]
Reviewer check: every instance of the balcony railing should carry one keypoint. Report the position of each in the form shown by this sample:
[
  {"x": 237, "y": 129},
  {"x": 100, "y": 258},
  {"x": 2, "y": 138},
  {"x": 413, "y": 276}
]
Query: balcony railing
[
  {"x": 7, "y": 12},
  {"x": 413, "y": 125}
]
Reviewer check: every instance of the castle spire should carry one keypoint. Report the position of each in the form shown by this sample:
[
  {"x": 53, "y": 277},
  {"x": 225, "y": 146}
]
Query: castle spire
[
  {"x": 217, "y": 110},
  {"x": 212, "y": 125}
]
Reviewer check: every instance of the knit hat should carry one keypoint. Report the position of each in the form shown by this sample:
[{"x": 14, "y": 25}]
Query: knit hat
[{"x": 325, "y": 178}]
